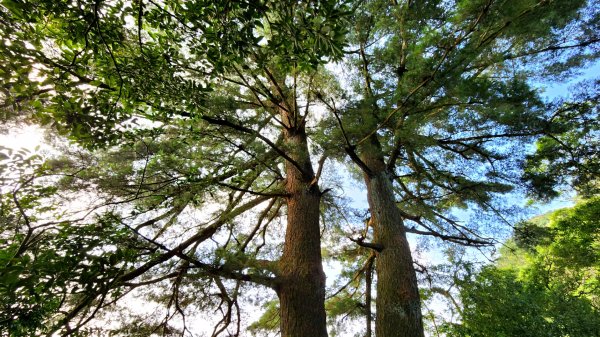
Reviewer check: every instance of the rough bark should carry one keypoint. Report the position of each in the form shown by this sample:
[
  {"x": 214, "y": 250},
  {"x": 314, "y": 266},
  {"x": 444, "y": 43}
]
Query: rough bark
[
  {"x": 368, "y": 296},
  {"x": 301, "y": 287},
  {"x": 398, "y": 306}
]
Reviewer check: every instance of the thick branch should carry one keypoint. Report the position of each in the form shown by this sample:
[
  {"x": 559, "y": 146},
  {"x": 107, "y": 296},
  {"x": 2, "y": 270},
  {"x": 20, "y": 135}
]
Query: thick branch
[
  {"x": 371, "y": 245},
  {"x": 204, "y": 234}
]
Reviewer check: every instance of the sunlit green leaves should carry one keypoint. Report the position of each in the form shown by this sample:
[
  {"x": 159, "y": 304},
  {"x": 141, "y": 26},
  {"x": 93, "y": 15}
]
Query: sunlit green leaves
[
  {"x": 545, "y": 285},
  {"x": 497, "y": 303},
  {"x": 103, "y": 63}
]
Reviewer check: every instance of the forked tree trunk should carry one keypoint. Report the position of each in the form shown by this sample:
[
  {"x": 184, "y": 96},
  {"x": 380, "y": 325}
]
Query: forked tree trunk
[
  {"x": 301, "y": 287},
  {"x": 398, "y": 306}
]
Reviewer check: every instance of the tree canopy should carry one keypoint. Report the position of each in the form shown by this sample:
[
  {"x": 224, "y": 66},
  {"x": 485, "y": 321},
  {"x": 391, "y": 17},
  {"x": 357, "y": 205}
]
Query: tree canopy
[{"x": 211, "y": 141}]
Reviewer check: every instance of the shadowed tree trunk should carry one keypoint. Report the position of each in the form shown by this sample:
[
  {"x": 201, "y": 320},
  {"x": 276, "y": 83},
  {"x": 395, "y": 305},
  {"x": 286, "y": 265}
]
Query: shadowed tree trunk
[
  {"x": 398, "y": 304},
  {"x": 301, "y": 287}
]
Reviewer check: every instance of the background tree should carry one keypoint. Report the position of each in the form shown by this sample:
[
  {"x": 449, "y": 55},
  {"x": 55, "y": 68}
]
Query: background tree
[{"x": 544, "y": 284}]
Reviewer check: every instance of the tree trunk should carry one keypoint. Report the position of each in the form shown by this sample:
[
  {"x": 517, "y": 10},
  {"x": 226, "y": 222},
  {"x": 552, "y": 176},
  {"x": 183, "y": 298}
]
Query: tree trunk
[
  {"x": 398, "y": 305},
  {"x": 301, "y": 287}
]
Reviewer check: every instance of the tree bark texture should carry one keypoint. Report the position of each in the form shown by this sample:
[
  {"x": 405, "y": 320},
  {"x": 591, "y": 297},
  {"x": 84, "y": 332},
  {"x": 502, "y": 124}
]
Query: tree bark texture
[
  {"x": 398, "y": 305},
  {"x": 301, "y": 288}
]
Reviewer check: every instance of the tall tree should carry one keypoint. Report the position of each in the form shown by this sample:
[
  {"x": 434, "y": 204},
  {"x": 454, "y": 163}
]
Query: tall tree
[
  {"x": 443, "y": 96},
  {"x": 213, "y": 78}
]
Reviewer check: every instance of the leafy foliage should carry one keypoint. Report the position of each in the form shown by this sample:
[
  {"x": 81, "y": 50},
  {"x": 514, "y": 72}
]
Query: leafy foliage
[
  {"x": 553, "y": 293},
  {"x": 497, "y": 303},
  {"x": 568, "y": 157},
  {"x": 47, "y": 266},
  {"x": 96, "y": 67}
]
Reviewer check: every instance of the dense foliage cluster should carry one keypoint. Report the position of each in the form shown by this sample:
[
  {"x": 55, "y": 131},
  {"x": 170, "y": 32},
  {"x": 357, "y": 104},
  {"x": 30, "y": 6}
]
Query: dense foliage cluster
[{"x": 545, "y": 284}]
